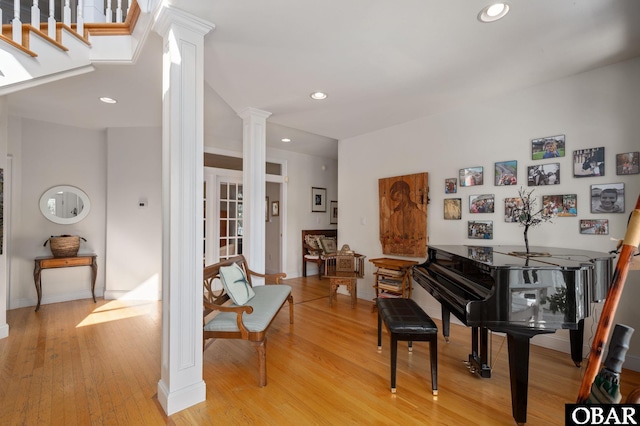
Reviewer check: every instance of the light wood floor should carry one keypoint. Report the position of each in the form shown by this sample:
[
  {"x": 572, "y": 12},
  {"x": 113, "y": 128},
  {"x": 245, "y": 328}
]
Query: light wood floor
[{"x": 80, "y": 363}]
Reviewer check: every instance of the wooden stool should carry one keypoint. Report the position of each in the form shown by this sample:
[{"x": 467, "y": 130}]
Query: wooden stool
[
  {"x": 406, "y": 321},
  {"x": 348, "y": 279}
]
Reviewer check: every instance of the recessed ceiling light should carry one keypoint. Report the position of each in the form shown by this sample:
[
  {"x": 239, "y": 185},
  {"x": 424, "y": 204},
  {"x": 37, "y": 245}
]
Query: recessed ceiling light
[
  {"x": 107, "y": 100},
  {"x": 318, "y": 96},
  {"x": 285, "y": 140},
  {"x": 493, "y": 12}
]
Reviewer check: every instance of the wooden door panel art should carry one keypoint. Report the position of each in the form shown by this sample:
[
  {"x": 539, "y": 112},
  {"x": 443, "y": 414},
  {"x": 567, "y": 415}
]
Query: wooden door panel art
[{"x": 403, "y": 215}]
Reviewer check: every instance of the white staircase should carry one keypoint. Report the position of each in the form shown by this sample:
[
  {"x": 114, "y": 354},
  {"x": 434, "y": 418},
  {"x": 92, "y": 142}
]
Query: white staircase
[{"x": 34, "y": 57}]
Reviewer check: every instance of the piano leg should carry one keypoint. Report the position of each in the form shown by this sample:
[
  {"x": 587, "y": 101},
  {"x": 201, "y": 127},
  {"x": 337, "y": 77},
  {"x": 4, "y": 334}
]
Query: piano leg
[
  {"x": 446, "y": 321},
  {"x": 576, "y": 338},
  {"x": 519, "y": 375}
]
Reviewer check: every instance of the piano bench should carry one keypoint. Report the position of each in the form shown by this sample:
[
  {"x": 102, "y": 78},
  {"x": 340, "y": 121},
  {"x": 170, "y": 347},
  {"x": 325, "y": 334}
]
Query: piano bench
[{"x": 406, "y": 321}]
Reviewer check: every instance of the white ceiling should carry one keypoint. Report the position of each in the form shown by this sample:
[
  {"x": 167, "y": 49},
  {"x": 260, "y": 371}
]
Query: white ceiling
[{"x": 382, "y": 63}]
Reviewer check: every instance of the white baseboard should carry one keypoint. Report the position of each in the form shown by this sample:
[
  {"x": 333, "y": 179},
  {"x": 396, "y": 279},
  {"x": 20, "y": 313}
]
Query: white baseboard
[
  {"x": 57, "y": 298},
  {"x": 4, "y": 331},
  {"x": 127, "y": 295}
]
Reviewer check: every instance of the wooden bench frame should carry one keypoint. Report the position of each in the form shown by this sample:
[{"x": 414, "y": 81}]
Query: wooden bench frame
[
  {"x": 306, "y": 249},
  {"x": 217, "y": 300}
]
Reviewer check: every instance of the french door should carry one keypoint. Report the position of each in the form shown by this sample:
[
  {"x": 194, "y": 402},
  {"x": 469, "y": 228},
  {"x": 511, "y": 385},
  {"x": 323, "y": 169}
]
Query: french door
[{"x": 223, "y": 216}]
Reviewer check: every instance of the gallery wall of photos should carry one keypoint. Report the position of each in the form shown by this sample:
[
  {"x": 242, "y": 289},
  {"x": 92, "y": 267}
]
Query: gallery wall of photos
[{"x": 605, "y": 198}]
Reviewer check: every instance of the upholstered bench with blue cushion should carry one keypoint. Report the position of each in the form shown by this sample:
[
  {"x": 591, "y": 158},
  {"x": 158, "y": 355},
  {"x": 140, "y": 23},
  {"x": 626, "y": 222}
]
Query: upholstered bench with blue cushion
[
  {"x": 234, "y": 309},
  {"x": 406, "y": 321}
]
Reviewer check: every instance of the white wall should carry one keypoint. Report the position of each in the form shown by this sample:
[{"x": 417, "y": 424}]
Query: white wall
[
  {"x": 303, "y": 173},
  {"x": 47, "y": 155},
  {"x": 594, "y": 109},
  {"x": 134, "y": 233},
  {"x": 4, "y": 141}
]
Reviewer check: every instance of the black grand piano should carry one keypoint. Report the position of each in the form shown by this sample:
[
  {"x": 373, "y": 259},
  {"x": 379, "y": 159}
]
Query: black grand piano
[{"x": 500, "y": 288}]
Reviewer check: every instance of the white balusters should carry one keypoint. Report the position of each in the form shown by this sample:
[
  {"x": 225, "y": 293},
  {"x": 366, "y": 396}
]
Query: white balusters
[
  {"x": 17, "y": 25},
  {"x": 51, "y": 22},
  {"x": 119, "y": 12},
  {"x": 108, "y": 12},
  {"x": 66, "y": 16},
  {"x": 80, "y": 18},
  {"x": 35, "y": 14}
]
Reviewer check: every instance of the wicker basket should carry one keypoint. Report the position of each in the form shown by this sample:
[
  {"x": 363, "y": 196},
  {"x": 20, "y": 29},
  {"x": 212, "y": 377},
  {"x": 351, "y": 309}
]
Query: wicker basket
[{"x": 64, "y": 245}]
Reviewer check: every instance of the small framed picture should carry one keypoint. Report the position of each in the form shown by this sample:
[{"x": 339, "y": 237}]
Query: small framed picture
[
  {"x": 480, "y": 229},
  {"x": 333, "y": 211},
  {"x": 481, "y": 203},
  {"x": 453, "y": 208},
  {"x": 511, "y": 208},
  {"x": 588, "y": 162},
  {"x": 607, "y": 198},
  {"x": 275, "y": 208},
  {"x": 627, "y": 163},
  {"x": 451, "y": 185},
  {"x": 594, "y": 226},
  {"x": 547, "y": 147},
  {"x": 471, "y": 176},
  {"x": 318, "y": 199},
  {"x": 507, "y": 173},
  {"x": 565, "y": 205},
  {"x": 544, "y": 174}
]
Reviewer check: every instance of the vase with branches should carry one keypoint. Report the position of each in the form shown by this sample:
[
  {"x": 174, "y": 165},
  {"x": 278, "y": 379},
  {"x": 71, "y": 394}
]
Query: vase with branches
[{"x": 528, "y": 215}]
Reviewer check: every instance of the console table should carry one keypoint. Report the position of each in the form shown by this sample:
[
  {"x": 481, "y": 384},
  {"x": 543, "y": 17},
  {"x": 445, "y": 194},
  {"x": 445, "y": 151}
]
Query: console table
[{"x": 50, "y": 262}]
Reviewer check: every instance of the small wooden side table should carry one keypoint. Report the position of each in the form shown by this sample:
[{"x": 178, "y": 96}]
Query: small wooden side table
[
  {"x": 50, "y": 262},
  {"x": 392, "y": 278}
]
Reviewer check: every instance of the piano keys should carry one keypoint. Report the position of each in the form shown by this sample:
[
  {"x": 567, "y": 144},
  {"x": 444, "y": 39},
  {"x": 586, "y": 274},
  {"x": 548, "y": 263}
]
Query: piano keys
[{"x": 500, "y": 288}]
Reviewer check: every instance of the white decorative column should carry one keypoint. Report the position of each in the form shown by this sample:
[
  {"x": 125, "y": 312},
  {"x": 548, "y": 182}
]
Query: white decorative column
[
  {"x": 4, "y": 164},
  {"x": 254, "y": 175},
  {"x": 181, "y": 383}
]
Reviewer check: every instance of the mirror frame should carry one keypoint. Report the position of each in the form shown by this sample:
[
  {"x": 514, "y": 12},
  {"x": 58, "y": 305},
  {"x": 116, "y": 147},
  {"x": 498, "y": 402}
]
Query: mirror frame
[{"x": 62, "y": 220}]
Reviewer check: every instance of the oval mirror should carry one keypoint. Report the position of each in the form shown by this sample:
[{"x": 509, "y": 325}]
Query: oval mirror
[{"x": 65, "y": 204}]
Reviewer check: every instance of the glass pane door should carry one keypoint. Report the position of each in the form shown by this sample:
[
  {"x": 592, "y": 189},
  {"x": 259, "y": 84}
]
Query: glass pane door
[{"x": 230, "y": 217}]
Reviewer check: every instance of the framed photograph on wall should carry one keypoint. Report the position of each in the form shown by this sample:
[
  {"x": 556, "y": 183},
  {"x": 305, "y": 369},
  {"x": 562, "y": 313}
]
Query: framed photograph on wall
[
  {"x": 506, "y": 173},
  {"x": 453, "y": 208},
  {"x": 318, "y": 199},
  {"x": 547, "y": 147},
  {"x": 275, "y": 208},
  {"x": 333, "y": 212},
  {"x": 588, "y": 162},
  {"x": 607, "y": 198},
  {"x": 627, "y": 163},
  {"x": 564, "y": 205},
  {"x": 483, "y": 203},
  {"x": 471, "y": 176},
  {"x": 594, "y": 226},
  {"x": 544, "y": 174},
  {"x": 480, "y": 229},
  {"x": 451, "y": 185},
  {"x": 511, "y": 208}
]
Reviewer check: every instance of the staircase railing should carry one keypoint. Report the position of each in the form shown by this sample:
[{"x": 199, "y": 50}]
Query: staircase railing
[{"x": 83, "y": 16}]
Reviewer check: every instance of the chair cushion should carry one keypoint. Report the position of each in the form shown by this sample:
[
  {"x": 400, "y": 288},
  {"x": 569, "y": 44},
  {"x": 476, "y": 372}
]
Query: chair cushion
[
  {"x": 313, "y": 241},
  {"x": 328, "y": 245},
  {"x": 266, "y": 303},
  {"x": 235, "y": 283}
]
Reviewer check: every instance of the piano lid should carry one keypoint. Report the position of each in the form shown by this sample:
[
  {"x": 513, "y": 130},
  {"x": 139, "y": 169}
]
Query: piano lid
[{"x": 515, "y": 256}]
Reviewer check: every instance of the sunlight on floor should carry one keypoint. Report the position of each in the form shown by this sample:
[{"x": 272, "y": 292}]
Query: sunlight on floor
[{"x": 118, "y": 310}]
